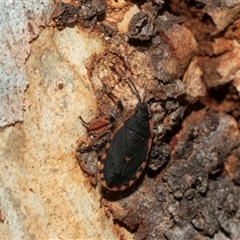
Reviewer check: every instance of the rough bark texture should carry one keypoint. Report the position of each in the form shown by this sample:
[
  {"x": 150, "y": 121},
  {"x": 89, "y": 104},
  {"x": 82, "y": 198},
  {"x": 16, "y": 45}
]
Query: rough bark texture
[{"x": 183, "y": 57}]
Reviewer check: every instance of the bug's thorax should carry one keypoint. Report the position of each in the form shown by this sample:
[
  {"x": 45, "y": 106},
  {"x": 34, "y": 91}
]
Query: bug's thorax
[{"x": 141, "y": 114}]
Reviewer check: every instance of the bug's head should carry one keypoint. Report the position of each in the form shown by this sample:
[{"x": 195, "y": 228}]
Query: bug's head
[{"x": 143, "y": 109}]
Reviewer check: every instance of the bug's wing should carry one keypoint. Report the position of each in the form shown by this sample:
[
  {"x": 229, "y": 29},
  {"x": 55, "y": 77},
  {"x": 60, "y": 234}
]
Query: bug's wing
[
  {"x": 127, "y": 152},
  {"x": 136, "y": 152}
]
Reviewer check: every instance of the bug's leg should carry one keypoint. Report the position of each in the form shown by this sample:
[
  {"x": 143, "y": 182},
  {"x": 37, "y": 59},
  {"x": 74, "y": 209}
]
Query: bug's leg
[
  {"x": 100, "y": 134},
  {"x": 88, "y": 150},
  {"x": 95, "y": 124},
  {"x": 113, "y": 113},
  {"x": 119, "y": 105},
  {"x": 121, "y": 110},
  {"x": 96, "y": 129}
]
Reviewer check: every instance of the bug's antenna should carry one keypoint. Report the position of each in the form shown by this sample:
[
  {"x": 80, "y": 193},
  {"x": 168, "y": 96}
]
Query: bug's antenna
[{"x": 129, "y": 80}]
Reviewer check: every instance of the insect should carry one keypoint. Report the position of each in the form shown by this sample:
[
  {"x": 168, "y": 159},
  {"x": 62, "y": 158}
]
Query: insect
[{"x": 126, "y": 153}]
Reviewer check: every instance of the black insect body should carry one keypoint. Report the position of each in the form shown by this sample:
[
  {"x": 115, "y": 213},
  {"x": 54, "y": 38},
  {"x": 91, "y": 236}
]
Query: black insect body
[{"x": 127, "y": 151}]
